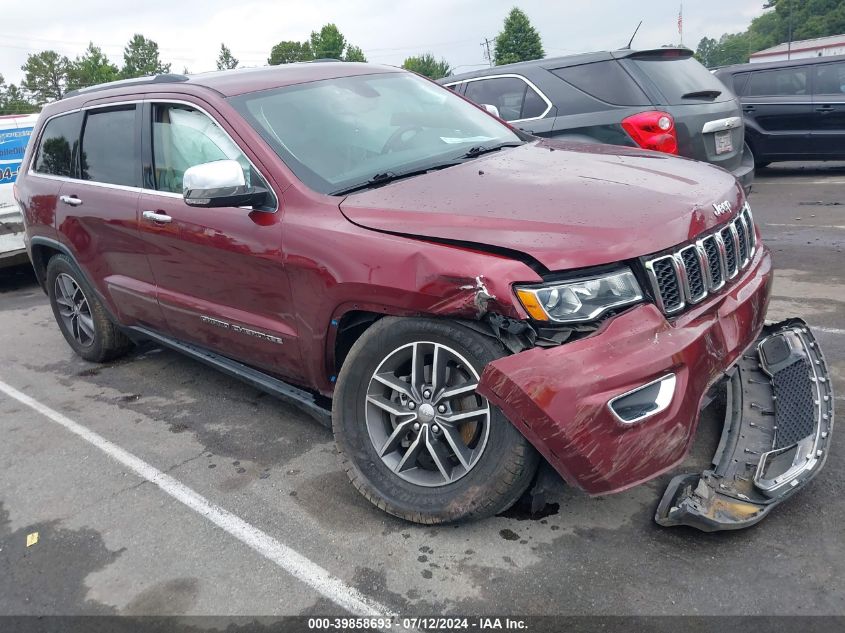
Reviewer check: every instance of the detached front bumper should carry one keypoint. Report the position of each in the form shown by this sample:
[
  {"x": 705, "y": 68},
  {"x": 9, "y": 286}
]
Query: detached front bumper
[{"x": 778, "y": 420}]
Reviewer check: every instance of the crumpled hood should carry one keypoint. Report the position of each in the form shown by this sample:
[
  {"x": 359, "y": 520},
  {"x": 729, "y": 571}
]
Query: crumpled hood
[{"x": 566, "y": 205}]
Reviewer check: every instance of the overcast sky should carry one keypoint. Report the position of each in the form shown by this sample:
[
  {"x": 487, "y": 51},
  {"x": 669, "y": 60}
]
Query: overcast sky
[{"x": 189, "y": 32}]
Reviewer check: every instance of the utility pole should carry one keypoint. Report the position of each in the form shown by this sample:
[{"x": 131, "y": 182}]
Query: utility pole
[
  {"x": 487, "y": 55},
  {"x": 789, "y": 45}
]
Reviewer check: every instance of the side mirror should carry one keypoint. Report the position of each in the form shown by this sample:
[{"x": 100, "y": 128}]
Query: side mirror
[
  {"x": 219, "y": 184},
  {"x": 491, "y": 109}
]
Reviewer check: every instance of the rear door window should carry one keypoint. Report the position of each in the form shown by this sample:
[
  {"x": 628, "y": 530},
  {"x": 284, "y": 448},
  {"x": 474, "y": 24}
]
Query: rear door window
[
  {"x": 680, "y": 79},
  {"x": 830, "y": 79},
  {"x": 606, "y": 81},
  {"x": 785, "y": 82},
  {"x": 56, "y": 154},
  {"x": 513, "y": 97},
  {"x": 109, "y": 151}
]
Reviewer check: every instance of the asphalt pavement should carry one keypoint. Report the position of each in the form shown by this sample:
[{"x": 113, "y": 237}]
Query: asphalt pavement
[{"x": 159, "y": 486}]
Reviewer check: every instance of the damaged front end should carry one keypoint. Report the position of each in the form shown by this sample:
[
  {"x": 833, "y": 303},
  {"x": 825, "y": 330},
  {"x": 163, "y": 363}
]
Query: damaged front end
[{"x": 778, "y": 421}]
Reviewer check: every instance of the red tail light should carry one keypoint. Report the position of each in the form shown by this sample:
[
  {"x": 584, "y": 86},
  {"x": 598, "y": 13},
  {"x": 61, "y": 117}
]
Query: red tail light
[{"x": 653, "y": 130}]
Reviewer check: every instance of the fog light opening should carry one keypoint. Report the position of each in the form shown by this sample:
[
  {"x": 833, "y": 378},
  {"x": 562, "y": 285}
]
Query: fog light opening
[{"x": 643, "y": 402}]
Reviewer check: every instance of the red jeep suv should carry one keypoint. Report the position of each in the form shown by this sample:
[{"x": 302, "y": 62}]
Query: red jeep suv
[{"x": 458, "y": 299}]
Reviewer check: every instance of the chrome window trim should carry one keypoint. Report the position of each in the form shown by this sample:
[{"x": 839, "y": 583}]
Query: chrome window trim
[
  {"x": 720, "y": 125},
  {"x": 105, "y": 185},
  {"x": 530, "y": 83}
]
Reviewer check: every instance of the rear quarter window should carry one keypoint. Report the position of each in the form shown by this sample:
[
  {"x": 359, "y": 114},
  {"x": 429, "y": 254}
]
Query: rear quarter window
[
  {"x": 58, "y": 146},
  {"x": 676, "y": 76},
  {"x": 606, "y": 81}
]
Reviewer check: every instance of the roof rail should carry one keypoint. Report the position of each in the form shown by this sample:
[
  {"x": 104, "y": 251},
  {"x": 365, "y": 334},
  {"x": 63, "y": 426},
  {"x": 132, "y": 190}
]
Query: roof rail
[{"x": 154, "y": 79}]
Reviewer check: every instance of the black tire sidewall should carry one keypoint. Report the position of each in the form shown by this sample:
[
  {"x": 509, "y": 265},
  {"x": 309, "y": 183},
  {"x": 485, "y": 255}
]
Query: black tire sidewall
[
  {"x": 60, "y": 264},
  {"x": 467, "y": 495}
]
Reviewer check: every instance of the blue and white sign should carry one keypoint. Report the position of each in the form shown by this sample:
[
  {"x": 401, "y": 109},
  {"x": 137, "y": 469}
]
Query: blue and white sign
[{"x": 12, "y": 147}]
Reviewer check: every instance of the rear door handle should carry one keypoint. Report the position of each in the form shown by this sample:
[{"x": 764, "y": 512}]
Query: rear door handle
[
  {"x": 155, "y": 216},
  {"x": 748, "y": 108},
  {"x": 71, "y": 200}
]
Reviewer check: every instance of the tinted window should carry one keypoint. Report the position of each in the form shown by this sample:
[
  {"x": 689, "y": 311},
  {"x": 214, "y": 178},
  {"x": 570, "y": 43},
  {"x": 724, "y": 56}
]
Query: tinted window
[
  {"x": 509, "y": 95},
  {"x": 184, "y": 137},
  {"x": 109, "y": 147},
  {"x": 788, "y": 82},
  {"x": 606, "y": 81},
  {"x": 679, "y": 78},
  {"x": 830, "y": 79},
  {"x": 59, "y": 143}
]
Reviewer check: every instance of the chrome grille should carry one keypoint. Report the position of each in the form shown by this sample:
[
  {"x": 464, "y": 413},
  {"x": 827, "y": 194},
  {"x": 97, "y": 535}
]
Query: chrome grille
[
  {"x": 689, "y": 274},
  {"x": 716, "y": 276}
]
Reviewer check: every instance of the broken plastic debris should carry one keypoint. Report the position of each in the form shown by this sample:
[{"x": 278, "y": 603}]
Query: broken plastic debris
[{"x": 31, "y": 539}]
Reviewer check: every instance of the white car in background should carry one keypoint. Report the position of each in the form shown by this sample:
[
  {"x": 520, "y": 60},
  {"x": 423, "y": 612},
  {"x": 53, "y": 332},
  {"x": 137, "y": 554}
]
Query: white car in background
[{"x": 15, "y": 131}]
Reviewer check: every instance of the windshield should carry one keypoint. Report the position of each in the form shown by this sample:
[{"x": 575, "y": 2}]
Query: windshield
[{"x": 339, "y": 133}]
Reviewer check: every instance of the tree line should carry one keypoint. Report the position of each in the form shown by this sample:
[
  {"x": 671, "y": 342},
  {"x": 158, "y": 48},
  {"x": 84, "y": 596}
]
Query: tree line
[
  {"x": 782, "y": 20},
  {"x": 49, "y": 75}
]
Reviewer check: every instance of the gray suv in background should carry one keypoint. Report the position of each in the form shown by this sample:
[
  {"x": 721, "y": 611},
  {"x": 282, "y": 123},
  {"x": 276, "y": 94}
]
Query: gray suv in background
[{"x": 660, "y": 99}]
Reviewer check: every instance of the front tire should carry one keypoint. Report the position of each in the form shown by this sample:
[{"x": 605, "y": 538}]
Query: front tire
[
  {"x": 81, "y": 317},
  {"x": 413, "y": 435}
]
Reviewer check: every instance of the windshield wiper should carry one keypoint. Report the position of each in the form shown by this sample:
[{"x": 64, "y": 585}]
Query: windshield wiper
[
  {"x": 384, "y": 177},
  {"x": 478, "y": 150},
  {"x": 702, "y": 94}
]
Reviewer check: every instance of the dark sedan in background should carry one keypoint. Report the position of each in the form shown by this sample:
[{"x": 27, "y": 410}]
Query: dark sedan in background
[
  {"x": 660, "y": 99},
  {"x": 794, "y": 110}
]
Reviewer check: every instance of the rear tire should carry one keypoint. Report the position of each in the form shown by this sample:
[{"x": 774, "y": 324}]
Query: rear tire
[
  {"x": 81, "y": 317},
  {"x": 469, "y": 461}
]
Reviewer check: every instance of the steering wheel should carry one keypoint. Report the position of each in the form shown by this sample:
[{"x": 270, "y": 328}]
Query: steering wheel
[{"x": 400, "y": 139}]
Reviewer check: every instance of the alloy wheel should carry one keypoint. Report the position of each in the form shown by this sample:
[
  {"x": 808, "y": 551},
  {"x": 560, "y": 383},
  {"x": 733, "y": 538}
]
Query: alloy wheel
[
  {"x": 74, "y": 310},
  {"x": 423, "y": 415}
]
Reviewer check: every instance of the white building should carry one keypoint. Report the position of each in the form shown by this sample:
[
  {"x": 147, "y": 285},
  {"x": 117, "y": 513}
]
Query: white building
[{"x": 819, "y": 47}]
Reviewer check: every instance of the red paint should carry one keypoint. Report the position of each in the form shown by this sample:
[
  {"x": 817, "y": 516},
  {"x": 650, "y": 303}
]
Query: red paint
[
  {"x": 291, "y": 273},
  {"x": 558, "y": 397}
]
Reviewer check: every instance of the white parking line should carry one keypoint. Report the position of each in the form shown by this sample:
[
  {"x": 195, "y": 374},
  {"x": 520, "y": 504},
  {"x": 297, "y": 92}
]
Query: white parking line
[
  {"x": 808, "y": 225},
  {"x": 828, "y": 330},
  {"x": 796, "y": 181},
  {"x": 286, "y": 558}
]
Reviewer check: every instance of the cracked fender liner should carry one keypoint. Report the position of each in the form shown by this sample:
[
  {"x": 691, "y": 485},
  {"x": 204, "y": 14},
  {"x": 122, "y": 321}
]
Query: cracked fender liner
[{"x": 778, "y": 420}]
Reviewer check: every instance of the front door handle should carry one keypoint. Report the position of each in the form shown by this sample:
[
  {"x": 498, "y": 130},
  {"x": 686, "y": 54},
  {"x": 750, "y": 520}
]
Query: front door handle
[
  {"x": 71, "y": 200},
  {"x": 825, "y": 109},
  {"x": 155, "y": 216},
  {"x": 748, "y": 108}
]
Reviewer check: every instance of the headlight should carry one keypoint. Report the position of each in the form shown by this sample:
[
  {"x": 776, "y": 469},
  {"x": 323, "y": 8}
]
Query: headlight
[{"x": 580, "y": 299}]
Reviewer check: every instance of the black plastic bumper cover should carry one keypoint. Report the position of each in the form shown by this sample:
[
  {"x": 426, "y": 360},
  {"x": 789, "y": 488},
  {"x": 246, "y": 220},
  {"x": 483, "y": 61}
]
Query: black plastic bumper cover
[{"x": 778, "y": 420}]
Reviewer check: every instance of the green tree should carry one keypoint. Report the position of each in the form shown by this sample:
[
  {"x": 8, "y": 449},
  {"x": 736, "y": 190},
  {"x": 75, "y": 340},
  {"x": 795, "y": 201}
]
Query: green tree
[
  {"x": 141, "y": 58},
  {"x": 225, "y": 60},
  {"x": 91, "y": 68},
  {"x": 427, "y": 65},
  {"x": 287, "y": 52},
  {"x": 800, "y": 19},
  {"x": 46, "y": 76},
  {"x": 328, "y": 43},
  {"x": 354, "y": 54},
  {"x": 518, "y": 41},
  {"x": 14, "y": 101}
]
